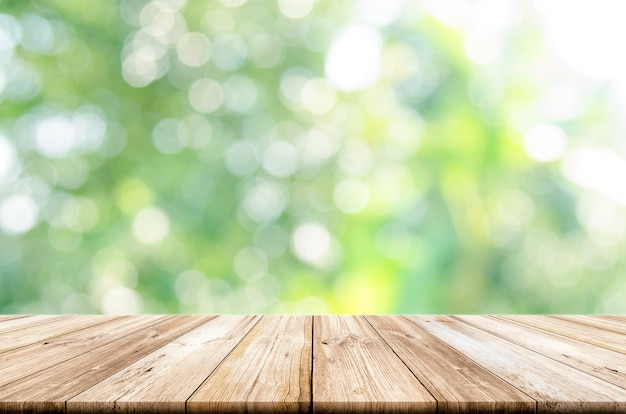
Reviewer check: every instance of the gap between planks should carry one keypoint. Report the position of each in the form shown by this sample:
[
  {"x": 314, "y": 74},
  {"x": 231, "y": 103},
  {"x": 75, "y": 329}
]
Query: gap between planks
[{"x": 356, "y": 339}]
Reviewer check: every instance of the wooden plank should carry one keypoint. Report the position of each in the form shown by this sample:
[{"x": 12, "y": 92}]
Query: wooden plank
[
  {"x": 608, "y": 324},
  {"x": 163, "y": 380},
  {"x": 9, "y": 317},
  {"x": 354, "y": 370},
  {"x": 234, "y": 364},
  {"x": 555, "y": 386},
  {"x": 269, "y": 371},
  {"x": 27, "y": 360},
  {"x": 599, "y": 362},
  {"x": 27, "y": 321},
  {"x": 46, "y": 391},
  {"x": 620, "y": 318},
  {"x": 585, "y": 333},
  {"x": 36, "y": 333},
  {"x": 458, "y": 384}
]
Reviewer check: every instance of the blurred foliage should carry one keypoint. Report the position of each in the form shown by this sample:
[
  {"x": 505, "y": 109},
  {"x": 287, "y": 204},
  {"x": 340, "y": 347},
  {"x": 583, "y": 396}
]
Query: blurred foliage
[{"x": 293, "y": 156}]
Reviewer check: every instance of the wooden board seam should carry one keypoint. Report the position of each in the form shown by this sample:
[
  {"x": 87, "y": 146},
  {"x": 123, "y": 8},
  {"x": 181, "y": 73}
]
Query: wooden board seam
[
  {"x": 486, "y": 344},
  {"x": 539, "y": 353},
  {"x": 398, "y": 356},
  {"x": 586, "y": 324},
  {"x": 34, "y": 324},
  {"x": 582, "y": 339},
  {"x": 223, "y": 359},
  {"x": 63, "y": 333},
  {"x": 312, "y": 363},
  {"x": 156, "y": 322},
  {"x": 13, "y": 317},
  {"x": 476, "y": 362}
]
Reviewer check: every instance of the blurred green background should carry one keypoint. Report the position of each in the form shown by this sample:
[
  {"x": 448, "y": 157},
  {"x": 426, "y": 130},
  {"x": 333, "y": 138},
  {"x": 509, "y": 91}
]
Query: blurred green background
[{"x": 302, "y": 156}]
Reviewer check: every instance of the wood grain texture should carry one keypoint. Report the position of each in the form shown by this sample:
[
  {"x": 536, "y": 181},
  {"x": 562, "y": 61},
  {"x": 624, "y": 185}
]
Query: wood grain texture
[
  {"x": 621, "y": 318},
  {"x": 30, "y": 334},
  {"x": 252, "y": 364},
  {"x": 594, "y": 360},
  {"x": 555, "y": 386},
  {"x": 269, "y": 371},
  {"x": 601, "y": 322},
  {"x": 596, "y": 336},
  {"x": 9, "y": 317},
  {"x": 163, "y": 380},
  {"x": 53, "y": 386},
  {"x": 15, "y": 323},
  {"x": 354, "y": 370},
  {"x": 27, "y": 360},
  {"x": 458, "y": 383}
]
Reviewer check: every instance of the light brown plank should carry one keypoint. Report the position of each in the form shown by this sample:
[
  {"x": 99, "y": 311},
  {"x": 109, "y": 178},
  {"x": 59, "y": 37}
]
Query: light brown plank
[
  {"x": 599, "y": 362},
  {"x": 608, "y": 324},
  {"x": 459, "y": 384},
  {"x": 163, "y": 380},
  {"x": 9, "y": 317},
  {"x": 555, "y": 386},
  {"x": 36, "y": 333},
  {"x": 27, "y": 360},
  {"x": 585, "y": 333},
  {"x": 269, "y": 371},
  {"x": 618, "y": 317},
  {"x": 47, "y": 390},
  {"x": 354, "y": 370},
  {"x": 28, "y": 321}
]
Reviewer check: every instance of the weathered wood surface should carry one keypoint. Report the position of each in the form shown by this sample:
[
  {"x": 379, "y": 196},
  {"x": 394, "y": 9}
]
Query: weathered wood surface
[
  {"x": 354, "y": 370},
  {"x": 318, "y": 364},
  {"x": 458, "y": 383},
  {"x": 269, "y": 370}
]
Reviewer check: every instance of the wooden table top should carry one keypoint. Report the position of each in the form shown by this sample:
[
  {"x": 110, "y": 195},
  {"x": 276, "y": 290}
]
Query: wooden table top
[{"x": 250, "y": 363}]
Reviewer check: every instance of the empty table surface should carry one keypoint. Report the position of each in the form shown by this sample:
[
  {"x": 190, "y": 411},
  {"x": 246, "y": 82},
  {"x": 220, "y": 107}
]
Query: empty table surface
[{"x": 333, "y": 363}]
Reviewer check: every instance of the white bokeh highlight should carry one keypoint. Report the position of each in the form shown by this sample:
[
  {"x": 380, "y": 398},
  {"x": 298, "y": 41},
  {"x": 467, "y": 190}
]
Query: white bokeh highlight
[
  {"x": 18, "y": 214},
  {"x": 150, "y": 226},
  {"x": 354, "y": 58},
  {"x": 545, "y": 142},
  {"x": 312, "y": 243}
]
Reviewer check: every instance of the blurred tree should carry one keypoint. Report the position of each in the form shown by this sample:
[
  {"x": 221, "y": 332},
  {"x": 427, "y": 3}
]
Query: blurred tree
[{"x": 307, "y": 156}]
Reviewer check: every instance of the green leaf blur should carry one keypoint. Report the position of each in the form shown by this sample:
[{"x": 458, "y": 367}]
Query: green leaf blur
[{"x": 302, "y": 156}]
